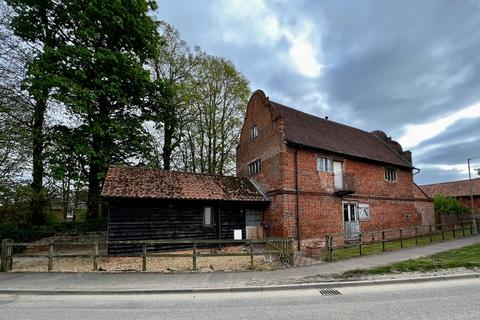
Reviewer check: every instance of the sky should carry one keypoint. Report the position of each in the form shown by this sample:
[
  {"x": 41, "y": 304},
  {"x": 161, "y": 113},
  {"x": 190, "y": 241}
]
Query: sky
[{"x": 409, "y": 68}]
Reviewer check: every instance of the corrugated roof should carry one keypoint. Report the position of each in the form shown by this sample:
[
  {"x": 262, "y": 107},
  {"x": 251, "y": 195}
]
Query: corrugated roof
[
  {"x": 148, "y": 183},
  {"x": 459, "y": 188},
  {"x": 308, "y": 130}
]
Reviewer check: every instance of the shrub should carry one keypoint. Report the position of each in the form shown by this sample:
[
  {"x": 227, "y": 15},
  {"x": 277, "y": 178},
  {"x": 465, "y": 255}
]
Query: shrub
[{"x": 449, "y": 205}]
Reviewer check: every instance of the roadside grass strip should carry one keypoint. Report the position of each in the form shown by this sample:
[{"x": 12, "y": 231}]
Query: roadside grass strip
[
  {"x": 466, "y": 257},
  {"x": 390, "y": 245}
]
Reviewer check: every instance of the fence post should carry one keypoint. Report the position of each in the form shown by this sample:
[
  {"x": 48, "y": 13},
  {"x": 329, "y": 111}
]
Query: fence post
[
  {"x": 453, "y": 228},
  {"x": 291, "y": 252},
  {"x": 50, "y": 257},
  {"x": 4, "y": 264},
  {"x": 251, "y": 254},
  {"x": 95, "y": 255},
  {"x": 416, "y": 236},
  {"x": 194, "y": 257},
  {"x": 144, "y": 256},
  {"x": 330, "y": 248},
  {"x": 360, "y": 243},
  {"x": 10, "y": 254},
  {"x": 463, "y": 229},
  {"x": 383, "y": 240},
  {"x": 401, "y": 238},
  {"x": 430, "y": 232}
]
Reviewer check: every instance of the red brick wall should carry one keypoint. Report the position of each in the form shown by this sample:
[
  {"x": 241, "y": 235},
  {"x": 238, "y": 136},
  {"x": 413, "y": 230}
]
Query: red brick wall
[
  {"x": 267, "y": 146},
  {"x": 392, "y": 204}
]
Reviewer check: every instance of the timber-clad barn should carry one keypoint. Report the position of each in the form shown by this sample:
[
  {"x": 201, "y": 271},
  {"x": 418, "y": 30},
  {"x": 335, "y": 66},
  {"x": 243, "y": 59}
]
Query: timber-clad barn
[{"x": 154, "y": 204}]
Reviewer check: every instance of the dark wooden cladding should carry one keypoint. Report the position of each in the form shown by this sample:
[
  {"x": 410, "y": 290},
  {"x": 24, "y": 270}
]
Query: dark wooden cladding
[{"x": 171, "y": 219}]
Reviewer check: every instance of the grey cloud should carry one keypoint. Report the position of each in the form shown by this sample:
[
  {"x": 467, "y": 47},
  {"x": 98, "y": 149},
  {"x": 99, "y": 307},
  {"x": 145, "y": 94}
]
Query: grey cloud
[{"x": 387, "y": 64}]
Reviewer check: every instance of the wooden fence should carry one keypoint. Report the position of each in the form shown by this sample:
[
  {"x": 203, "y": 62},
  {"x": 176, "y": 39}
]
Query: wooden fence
[
  {"x": 281, "y": 247},
  {"x": 341, "y": 241}
]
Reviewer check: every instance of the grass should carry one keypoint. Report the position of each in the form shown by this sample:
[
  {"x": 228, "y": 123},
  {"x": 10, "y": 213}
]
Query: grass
[
  {"x": 467, "y": 257},
  {"x": 368, "y": 249}
]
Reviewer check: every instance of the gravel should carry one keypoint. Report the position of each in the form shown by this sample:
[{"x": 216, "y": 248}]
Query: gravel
[{"x": 130, "y": 264}]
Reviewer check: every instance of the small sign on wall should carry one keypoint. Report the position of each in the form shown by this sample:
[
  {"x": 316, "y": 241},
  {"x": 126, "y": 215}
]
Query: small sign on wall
[
  {"x": 237, "y": 234},
  {"x": 363, "y": 211}
]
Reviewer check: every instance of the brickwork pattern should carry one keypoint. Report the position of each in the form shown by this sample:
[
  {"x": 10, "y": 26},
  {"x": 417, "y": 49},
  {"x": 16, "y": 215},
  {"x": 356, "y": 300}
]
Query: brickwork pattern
[{"x": 392, "y": 204}]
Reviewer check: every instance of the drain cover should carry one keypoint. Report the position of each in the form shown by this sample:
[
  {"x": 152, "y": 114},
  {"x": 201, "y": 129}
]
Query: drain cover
[{"x": 329, "y": 292}]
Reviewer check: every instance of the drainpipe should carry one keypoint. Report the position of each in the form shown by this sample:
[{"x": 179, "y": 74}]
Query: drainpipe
[{"x": 297, "y": 199}]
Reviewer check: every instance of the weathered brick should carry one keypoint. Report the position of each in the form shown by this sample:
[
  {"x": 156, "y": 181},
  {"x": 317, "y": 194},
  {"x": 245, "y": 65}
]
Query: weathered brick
[{"x": 392, "y": 204}]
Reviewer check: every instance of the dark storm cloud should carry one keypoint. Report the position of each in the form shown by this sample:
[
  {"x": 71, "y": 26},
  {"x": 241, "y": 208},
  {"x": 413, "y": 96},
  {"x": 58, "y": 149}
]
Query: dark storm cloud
[{"x": 386, "y": 64}]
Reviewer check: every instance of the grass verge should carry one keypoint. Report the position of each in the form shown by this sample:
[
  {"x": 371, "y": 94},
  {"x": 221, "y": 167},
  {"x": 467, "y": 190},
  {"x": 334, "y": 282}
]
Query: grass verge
[
  {"x": 367, "y": 249},
  {"x": 467, "y": 257}
]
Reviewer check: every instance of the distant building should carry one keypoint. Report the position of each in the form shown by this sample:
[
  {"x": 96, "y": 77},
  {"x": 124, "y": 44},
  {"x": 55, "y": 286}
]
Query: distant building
[{"x": 459, "y": 190}]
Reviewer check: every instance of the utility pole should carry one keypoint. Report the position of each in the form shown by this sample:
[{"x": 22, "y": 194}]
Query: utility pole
[{"x": 472, "y": 210}]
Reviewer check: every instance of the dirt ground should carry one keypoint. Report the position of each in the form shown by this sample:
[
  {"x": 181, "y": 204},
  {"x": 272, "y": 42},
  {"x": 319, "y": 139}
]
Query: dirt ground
[{"x": 132, "y": 264}]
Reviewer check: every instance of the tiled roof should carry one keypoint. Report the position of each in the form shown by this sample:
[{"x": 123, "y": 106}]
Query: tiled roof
[
  {"x": 311, "y": 131},
  {"x": 141, "y": 182},
  {"x": 419, "y": 193},
  {"x": 453, "y": 188}
]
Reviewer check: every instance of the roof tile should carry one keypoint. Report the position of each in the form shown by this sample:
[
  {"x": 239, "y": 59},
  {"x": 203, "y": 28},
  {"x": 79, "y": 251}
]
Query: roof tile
[
  {"x": 311, "y": 131},
  {"x": 453, "y": 188},
  {"x": 141, "y": 182}
]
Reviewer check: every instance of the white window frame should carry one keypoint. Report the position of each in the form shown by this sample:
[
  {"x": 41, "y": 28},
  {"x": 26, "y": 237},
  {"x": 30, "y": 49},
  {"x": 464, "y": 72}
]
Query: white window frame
[
  {"x": 390, "y": 174},
  {"x": 207, "y": 211},
  {"x": 254, "y": 167},
  {"x": 253, "y": 132},
  {"x": 324, "y": 164}
]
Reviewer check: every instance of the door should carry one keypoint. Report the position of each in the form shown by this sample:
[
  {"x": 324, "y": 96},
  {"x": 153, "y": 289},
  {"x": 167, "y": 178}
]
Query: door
[
  {"x": 338, "y": 175},
  {"x": 350, "y": 221},
  {"x": 253, "y": 224}
]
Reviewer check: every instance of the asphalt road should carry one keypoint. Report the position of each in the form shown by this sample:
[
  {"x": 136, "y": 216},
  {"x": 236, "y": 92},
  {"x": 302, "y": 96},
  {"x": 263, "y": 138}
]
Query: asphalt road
[{"x": 432, "y": 300}]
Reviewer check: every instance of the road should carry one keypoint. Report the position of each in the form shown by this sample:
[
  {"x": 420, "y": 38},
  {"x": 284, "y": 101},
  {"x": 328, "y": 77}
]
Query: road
[{"x": 431, "y": 300}]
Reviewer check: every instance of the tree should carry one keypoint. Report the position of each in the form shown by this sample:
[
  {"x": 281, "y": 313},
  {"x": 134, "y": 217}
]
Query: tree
[
  {"x": 218, "y": 99},
  {"x": 448, "y": 205},
  {"x": 16, "y": 109},
  {"x": 174, "y": 68},
  {"x": 34, "y": 22},
  {"x": 94, "y": 67}
]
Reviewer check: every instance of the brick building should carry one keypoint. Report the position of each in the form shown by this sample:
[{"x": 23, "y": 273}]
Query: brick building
[
  {"x": 325, "y": 177},
  {"x": 459, "y": 190}
]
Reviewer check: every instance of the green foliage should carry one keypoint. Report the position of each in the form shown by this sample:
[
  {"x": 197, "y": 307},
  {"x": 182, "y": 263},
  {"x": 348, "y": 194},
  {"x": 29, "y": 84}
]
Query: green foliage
[
  {"x": 449, "y": 205},
  {"x": 22, "y": 233},
  {"x": 93, "y": 63},
  {"x": 21, "y": 207}
]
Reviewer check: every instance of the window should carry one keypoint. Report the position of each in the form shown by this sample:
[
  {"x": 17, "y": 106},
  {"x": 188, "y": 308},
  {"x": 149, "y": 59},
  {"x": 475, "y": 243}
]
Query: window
[
  {"x": 253, "y": 217},
  {"x": 253, "y": 132},
  {"x": 390, "y": 174},
  {"x": 207, "y": 216},
  {"x": 324, "y": 164},
  {"x": 254, "y": 167},
  {"x": 363, "y": 211}
]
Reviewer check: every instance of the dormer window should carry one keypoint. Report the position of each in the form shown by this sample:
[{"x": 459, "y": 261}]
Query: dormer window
[
  {"x": 253, "y": 132},
  {"x": 254, "y": 167},
  {"x": 390, "y": 174}
]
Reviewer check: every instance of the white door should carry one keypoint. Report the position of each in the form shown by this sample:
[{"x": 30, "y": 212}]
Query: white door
[
  {"x": 338, "y": 175},
  {"x": 350, "y": 221}
]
